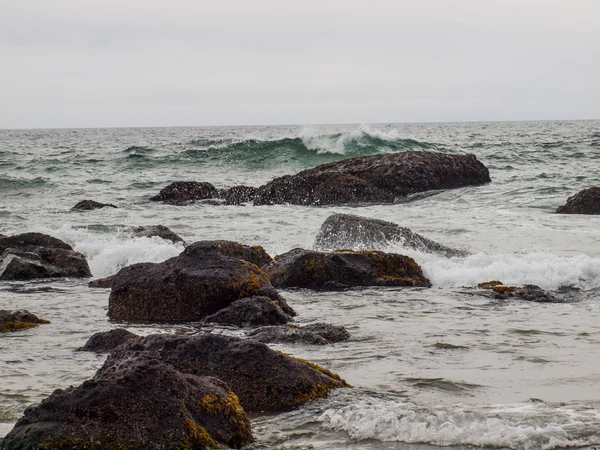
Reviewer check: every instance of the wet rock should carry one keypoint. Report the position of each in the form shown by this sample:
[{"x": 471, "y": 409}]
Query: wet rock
[
  {"x": 317, "y": 334},
  {"x": 374, "y": 179},
  {"x": 88, "y": 205},
  {"x": 351, "y": 231},
  {"x": 262, "y": 378},
  {"x": 18, "y": 320},
  {"x": 197, "y": 283},
  {"x": 528, "y": 292},
  {"x": 156, "y": 230},
  {"x": 251, "y": 312},
  {"x": 254, "y": 254},
  {"x": 107, "y": 341},
  {"x": 103, "y": 283},
  {"x": 584, "y": 202},
  {"x": 238, "y": 194},
  {"x": 182, "y": 192},
  {"x": 35, "y": 255},
  {"x": 135, "y": 403},
  {"x": 344, "y": 268}
]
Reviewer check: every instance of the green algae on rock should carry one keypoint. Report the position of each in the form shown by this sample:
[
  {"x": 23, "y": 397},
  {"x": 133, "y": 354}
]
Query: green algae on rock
[{"x": 11, "y": 321}]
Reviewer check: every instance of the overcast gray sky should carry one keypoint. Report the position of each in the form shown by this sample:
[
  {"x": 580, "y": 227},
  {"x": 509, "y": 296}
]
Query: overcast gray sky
[{"x": 88, "y": 63}]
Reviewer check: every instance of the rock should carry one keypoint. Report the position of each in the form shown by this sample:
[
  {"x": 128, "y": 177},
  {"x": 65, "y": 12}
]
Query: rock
[
  {"x": 344, "y": 268},
  {"x": 18, "y": 320},
  {"x": 88, "y": 205},
  {"x": 35, "y": 255},
  {"x": 104, "y": 283},
  {"x": 318, "y": 334},
  {"x": 374, "y": 179},
  {"x": 238, "y": 194},
  {"x": 262, "y": 378},
  {"x": 197, "y": 283},
  {"x": 254, "y": 254},
  {"x": 351, "y": 231},
  {"x": 156, "y": 230},
  {"x": 528, "y": 292},
  {"x": 182, "y": 192},
  {"x": 107, "y": 341},
  {"x": 584, "y": 202},
  {"x": 251, "y": 312},
  {"x": 135, "y": 403}
]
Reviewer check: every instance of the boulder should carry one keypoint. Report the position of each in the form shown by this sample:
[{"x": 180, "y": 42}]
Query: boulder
[
  {"x": 183, "y": 192},
  {"x": 343, "y": 269},
  {"x": 254, "y": 254},
  {"x": 374, "y": 179},
  {"x": 199, "y": 282},
  {"x": 135, "y": 403},
  {"x": 584, "y": 202},
  {"x": 528, "y": 292},
  {"x": 238, "y": 194},
  {"x": 317, "y": 334},
  {"x": 107, "y": 341},
  {"x": 251, "y": 312},
  {"x": 18, "y": 320},
  {"x": 88, "y": 205},
  {"x": 158, "y": 231},
  {"x": 262, "y": 378},
  {"x": 35, "y": 255},
  {"x": 351, "y": 231}
]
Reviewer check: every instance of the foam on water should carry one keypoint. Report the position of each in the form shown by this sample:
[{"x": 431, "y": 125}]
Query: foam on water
[
  {"x": 107, "y": 253},
  {"x": 524, "y": 426}
]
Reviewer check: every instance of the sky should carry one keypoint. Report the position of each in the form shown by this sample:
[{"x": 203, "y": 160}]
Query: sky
[{"x": 109, "y": 63}]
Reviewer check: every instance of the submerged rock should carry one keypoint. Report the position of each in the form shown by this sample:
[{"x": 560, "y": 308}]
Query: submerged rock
[
  {"x": 374, "y": 179},
  {"x": 251, "y": 312},
  {"x": 103, "y": 283},
  {"x": 156, "y": 230},
  {"x": 35, "y": 255},
  {"x": 344, "y": 268},
  {"x": 88, "y": 205},
  {"x": 317, "y": 334},
  {"x": 350, "y": 231},
  {"x": 528, "y": 292},
  {"x": 584, "y": 202},
  {"x": 135, "y": 403},
  {"x": 107, "y": 341},
  {"x": 182, "y": 192},
  {"x": 18, "y": 320},
  {"x": 262, "y": 378},
  {"x": 199, "y": 282}
]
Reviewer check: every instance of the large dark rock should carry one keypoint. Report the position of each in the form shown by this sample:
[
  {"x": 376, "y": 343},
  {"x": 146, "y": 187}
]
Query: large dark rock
[
  {"x": 254, "y": 254},
  {"x": 107, "y": 341},
  {"x": 584, "y": 202},
  {"x": 317, "y": 334},
  {"x": 374, "y": 179},
  {"x": 182, "y": 192},
  {"x": 35, "y": 255},
  {"x": 197, "y": 283},
  {"x": 251, "y": 312},
  {"x": 344, "y": 268},
  {"x": 351, "y": 231},
  {"x": 18, "y": 320},
  {"x": 262, "y": 378},
  {"x": 88, "y": 205},
  {"x": 135, "y": 403},
  {"x": 104, "y": 283},
  {"x": 527, "y": 292},
  {"x": 156, "y": 230}
]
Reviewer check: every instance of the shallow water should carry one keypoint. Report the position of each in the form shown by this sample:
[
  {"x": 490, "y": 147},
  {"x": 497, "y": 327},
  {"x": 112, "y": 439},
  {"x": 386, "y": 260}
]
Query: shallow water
[{"x": 430, "y": 367}]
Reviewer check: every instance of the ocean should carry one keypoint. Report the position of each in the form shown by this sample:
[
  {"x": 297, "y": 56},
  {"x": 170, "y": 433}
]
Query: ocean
[{"x": 430, "y": 367}]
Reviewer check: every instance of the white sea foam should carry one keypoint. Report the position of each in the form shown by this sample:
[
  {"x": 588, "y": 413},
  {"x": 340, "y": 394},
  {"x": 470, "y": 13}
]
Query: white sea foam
[
  {"x": 108, "y": 253},
  {"x": 524, "y": 426},
  {"x": 542, "y": 268},
  {"x": 316, "y": 140}
]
